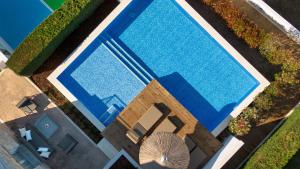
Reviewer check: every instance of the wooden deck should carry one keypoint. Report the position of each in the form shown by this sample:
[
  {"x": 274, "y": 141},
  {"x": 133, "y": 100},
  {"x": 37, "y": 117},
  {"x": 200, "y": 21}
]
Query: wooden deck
[{"x": 154, "y": 93}]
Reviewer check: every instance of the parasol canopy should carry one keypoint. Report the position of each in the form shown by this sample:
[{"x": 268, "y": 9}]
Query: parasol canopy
[{"x": 164, "y": 150}]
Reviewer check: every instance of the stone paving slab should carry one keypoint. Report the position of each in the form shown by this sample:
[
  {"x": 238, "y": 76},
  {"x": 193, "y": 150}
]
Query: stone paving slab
[{"x": 12, "y": 89}]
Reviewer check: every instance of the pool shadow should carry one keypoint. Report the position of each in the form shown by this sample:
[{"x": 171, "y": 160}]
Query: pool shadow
[
  {"x": 193, "y": 101},
  {"x": 134, "y": 9}
]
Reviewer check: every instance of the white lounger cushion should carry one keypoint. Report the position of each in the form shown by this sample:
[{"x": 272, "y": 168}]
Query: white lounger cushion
[
  {"x": 43, "y": 149},
  {"x": 150, "y": 118},
  {"x": 165, "y": 126},
  {"x": 22, "y": 131},
  {"x": 28, "y": 135},
  {"x": 45, "y": 154}
]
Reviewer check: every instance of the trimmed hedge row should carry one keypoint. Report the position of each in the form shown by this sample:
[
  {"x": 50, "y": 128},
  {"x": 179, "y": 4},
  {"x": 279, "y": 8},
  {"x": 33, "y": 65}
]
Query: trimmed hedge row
[
  {"x": 237, "y": 21},
  {"x": 42, "y": 42},
  {"x": 280, "y": 147}
]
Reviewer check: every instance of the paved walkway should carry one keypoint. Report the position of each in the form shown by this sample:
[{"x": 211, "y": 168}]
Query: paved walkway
[
  {"x": 288, "y": 9},
  {"x": 12, "y": 89}
]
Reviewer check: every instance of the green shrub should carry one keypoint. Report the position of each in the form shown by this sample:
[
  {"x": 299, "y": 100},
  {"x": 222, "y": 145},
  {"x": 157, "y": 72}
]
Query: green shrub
[
  {"x": 239, "y": 126},
  {"x": 287, "y": 78},
  {"x": 273, "y": 90},
  {"x": 280, "y": 147},
  {"x": 241, "y": 26},
  {"x": 242, "y": 124},
  {"x": 273, "y": 48},
  {"x": 42, "y": 42},
  {"x": 208, "y": 2},
  {"x": 250, "y": 113},
  {"x": 263, "y": 101}
]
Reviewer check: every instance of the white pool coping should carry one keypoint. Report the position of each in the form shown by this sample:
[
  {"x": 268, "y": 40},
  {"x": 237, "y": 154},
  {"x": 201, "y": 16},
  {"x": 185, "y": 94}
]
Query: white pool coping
[
  {"x": 276, "y": 18},
  {"x": 124, "y": 3},
  {"x": 230, "y": 146}
]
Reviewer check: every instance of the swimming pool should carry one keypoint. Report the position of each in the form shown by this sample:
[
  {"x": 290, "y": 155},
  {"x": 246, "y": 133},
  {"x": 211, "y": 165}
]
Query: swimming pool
[
  {"x": 167, "y": 40},
  {"x": 18, "y": 18}
]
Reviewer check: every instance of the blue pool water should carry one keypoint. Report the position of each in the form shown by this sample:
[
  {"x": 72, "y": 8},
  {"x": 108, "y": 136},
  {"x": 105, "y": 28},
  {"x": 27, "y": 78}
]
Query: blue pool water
[
  {"x": 19, "y": 17},
  {"x": 99, "y": 80},
  {"x": 173, "y": 48}
]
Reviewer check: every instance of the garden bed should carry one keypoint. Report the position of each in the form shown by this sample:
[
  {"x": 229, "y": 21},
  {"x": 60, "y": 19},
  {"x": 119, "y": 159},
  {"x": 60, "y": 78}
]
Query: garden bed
[{"x": 61, "y": 53}]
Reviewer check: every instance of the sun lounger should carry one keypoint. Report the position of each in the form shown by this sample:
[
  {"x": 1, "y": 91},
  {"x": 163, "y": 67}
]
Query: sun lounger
[
  {"x": 166, "y": 126},
  {"x": 144, "y": 124},
  {"x": 148, "y": 120}
]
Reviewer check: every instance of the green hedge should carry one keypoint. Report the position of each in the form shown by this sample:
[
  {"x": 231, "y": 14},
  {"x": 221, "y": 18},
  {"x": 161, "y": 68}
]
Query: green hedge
[
  {"x": 280, "y": 147},
  {"x": 42, "y": 42}
]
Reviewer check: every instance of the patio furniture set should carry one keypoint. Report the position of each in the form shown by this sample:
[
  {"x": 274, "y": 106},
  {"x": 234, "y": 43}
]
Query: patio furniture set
[
  {"x": 36, "y": 136},
  {"x": 36, "y": 141},
  {"x": 153, "y": 117},
  {"x": 27, "y": 105}
]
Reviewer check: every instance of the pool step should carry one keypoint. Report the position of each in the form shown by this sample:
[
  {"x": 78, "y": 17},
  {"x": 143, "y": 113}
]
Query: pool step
[
  {"x": 123, "y": 60},
  {"x": 126, "y": 59},
  {"x": 130, "y": 58},
  {"x": 111, "y": 118},
  {"x": 106, "y": 118}
]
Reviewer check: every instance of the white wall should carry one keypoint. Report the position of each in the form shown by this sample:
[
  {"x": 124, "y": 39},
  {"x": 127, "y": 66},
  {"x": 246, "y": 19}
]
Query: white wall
[
  {"x": 277, "y": 19},
  {"x": 230, "y": 147}
]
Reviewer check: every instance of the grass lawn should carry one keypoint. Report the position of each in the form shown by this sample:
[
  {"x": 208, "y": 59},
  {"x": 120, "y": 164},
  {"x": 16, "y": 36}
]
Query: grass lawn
[
  {"x": 54, "y": 4},
  {"x": 279, "y": 151}
]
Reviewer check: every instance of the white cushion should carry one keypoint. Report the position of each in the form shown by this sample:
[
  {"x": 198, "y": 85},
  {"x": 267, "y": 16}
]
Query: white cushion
[
  {"x": 43, "y": 149},
  {"x": 22, "y": 131},
  {"x": 28, "y": 135},
  {"x": 45, "y": 154}
]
